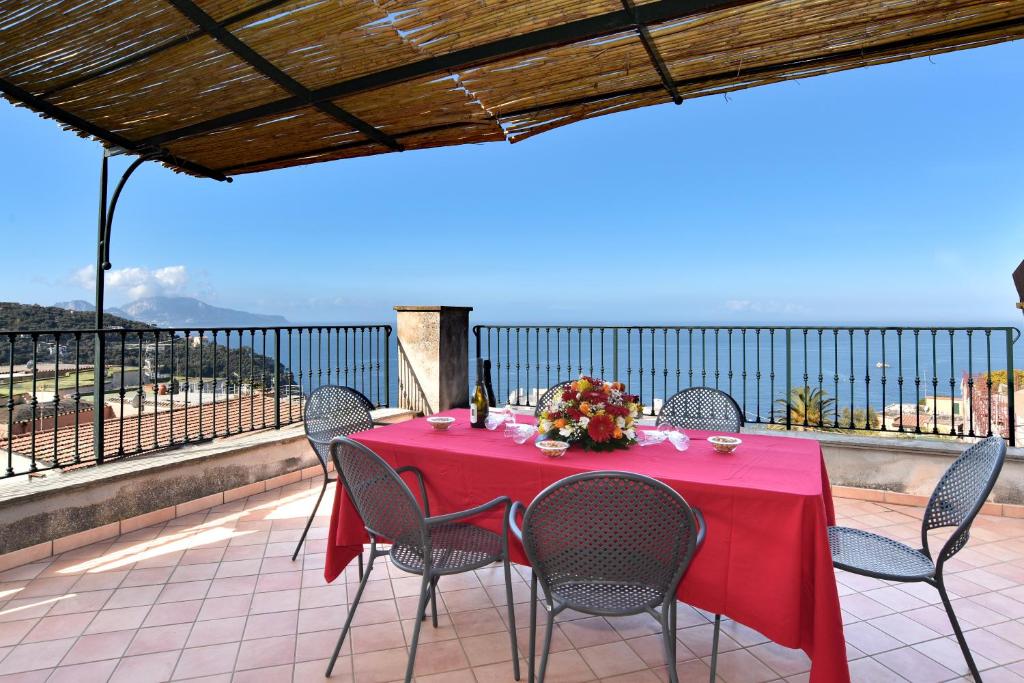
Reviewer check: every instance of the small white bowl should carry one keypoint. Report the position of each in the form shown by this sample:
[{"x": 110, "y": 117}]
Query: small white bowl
[
  {"x": 724, "y": 444},
  {"x": 441, "y": 423},
  {"x": 552, "y": 448}
]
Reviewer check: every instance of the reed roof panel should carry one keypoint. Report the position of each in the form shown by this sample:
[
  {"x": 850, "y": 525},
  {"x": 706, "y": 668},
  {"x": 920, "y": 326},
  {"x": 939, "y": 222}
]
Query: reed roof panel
[{"x": 218, "y": 87}]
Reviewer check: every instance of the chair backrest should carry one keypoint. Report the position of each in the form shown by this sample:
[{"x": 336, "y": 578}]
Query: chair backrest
[
  {"x": 614, "y": 527},
  {"x": 387, "y": 506},
  {"x": 702, "y": 408},
  {"x": 961, "y": 492},
  {"x": 334, "y": 411},
  {"x": 549, "y": 396}
]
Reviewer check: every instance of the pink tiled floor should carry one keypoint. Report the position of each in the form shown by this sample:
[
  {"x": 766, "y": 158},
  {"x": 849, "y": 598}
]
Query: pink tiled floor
[{"x": 215, "y": 596}]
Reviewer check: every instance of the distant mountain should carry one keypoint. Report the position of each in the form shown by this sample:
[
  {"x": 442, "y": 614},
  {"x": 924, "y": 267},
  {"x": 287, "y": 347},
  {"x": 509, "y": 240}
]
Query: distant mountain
[
  {"x": 179, "y": 311},
  {"x": 82, "y": 305}
]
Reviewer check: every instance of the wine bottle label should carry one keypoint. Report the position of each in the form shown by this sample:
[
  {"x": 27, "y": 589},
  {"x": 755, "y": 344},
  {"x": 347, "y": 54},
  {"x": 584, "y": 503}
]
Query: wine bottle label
[{"x": 472, "y": 414}]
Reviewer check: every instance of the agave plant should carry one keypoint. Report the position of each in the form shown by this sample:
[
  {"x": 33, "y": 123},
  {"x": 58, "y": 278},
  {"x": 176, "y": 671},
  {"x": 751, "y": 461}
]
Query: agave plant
[{"x": 807, "y": 406}]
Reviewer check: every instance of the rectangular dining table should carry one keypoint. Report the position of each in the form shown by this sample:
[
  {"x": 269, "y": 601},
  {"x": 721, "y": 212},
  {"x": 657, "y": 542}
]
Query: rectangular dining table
[{"x": 765, "y": 562}]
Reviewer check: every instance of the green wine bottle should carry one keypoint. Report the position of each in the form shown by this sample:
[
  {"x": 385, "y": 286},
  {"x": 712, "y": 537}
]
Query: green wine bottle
[{"x": 478, "y": 403}]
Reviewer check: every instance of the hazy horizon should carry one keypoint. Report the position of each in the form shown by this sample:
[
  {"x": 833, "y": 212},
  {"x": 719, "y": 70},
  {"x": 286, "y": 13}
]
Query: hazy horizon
[{"x": 887, "y": 195}]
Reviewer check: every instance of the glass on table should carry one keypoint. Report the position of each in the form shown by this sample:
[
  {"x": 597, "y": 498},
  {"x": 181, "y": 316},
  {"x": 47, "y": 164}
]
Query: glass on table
[
  {"x": 494, "y": 420},
  {"x": 675, "y": 436},
  {"x": 519, "y": 433}
]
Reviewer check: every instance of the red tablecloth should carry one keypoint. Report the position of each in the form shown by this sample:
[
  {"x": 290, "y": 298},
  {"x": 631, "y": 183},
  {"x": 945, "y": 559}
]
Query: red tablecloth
[{"x": 765, "y": 562}]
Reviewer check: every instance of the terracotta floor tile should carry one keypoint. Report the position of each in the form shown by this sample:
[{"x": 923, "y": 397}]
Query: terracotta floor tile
[
  {"x": 188, "y": 590},
  {"x": 904, "y": 629},
  {"x": 739, "y": 666},
  {"x": 29, "y": 656},
  {"x": 585, "y": 632},
  {"x": 204, "y": 661},
  {"x": 53, "y": 628},
  {"x": 782, "y": 660},
  {"x": 267, "y": 625},
  {"x": 220, "y": 608},
  {"x": 277, "y": 601},
  {"x": 380, "y": 666},
  {"x": 216, "y": 631},
  {"x": 173, "y": 613},
  {"x": 372, "y": 637},
  {"x": 78, "y": 673},
  {"x": 118, "y": 619},
  {"x": 946, "y": 651},
  {"x": 489, "y": 648},
  {"x": 440, "y": 657},
  {"x": 275, "y": 674},
  {"x": 159, "y": 639},
  {"x": 89, "y": 601},
  {"x": 318, "y": 645},
  {"x": 914, "y": 666},
  {"x": 98, "y": 646},
  {"x": 134, "y": 597},
  {"x": 266, "y": 652},
  {"x": 612, "y": 659}
]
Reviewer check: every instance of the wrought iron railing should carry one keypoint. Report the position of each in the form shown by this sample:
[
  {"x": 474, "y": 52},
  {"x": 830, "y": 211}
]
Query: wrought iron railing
[
  {"x": 167, "y": 387},
  {"x": 953, "y": 381}
]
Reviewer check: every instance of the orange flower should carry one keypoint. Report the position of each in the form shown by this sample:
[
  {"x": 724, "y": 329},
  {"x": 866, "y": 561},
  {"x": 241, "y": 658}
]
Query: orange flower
[
  {"x": 585, "y": 408},
  {"x": 560, "y": 422},
  {"x": 617, "y": 433}
]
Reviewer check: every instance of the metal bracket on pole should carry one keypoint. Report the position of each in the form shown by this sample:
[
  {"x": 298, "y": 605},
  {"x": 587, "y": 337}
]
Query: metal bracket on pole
[{"x": 106, "y": 220}]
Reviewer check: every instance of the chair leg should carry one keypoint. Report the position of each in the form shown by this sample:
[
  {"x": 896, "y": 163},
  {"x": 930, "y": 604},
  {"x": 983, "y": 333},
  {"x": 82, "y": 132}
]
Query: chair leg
[
  {"x": 667, "y": 639},
  {"x": 351, "y": 613},
  {"x": 714, "y": 647},
  {"x": 957, "y": 631},
  {"x": 360, "y": 558},
  {"x": 421, "y": 611},
  {"x": 511, "y": 619},
  {"x": 433, "y": 601},
  {"x": 533, "y": 626},
  {"x": 675, "y": 628},
  {"x": 547, "y": 645},
  {"x": 312, "y": 514}
]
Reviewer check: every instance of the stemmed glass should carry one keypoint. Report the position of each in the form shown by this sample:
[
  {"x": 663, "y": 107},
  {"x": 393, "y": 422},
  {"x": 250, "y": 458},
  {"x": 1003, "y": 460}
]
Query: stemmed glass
[{"x": 676, "y": 436}]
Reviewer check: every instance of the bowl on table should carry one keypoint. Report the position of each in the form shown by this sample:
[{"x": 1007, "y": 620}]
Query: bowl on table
[
  {"x": 440, "y": 422},
  {"x": 724, "y": 444},
  {"x": 553, "y": 448}
]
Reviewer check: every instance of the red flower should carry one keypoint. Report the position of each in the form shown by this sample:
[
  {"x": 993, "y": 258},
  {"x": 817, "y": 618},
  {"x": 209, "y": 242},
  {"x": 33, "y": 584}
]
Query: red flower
[
  {"x": 569, "y": 395},
  {"x": 573, "y": 413},
  {"x": 601, "y": 428}
]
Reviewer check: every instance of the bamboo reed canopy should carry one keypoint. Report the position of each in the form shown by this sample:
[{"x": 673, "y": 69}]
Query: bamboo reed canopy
[{"x": 217, "y": 88}]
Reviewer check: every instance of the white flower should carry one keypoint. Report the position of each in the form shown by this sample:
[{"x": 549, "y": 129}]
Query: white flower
[
  {"x": 620, "y": 422},
  {"x": 584, "y": 421},
  {"x": 565, "y": 431},
  {"x": 629, "y": 433}
]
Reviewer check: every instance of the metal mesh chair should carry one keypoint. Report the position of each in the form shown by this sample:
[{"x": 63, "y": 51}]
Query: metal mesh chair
[
  {"x": 420, "y": 544},
  {"x": 955, "y": 502},
  {"x": 549, "y": 396},
  {"x": 702, "y": 408},
  {"x": 608, "y": 544},
  {"x": 332, "y": 411}
]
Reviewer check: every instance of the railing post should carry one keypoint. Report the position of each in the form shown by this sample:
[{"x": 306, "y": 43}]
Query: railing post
[
  {"x": 387, "y": 365},
  {"x": 277, "y": 378},
  {"x": 1011, "y": 417},
  {"x": 789, "y": 378},
  {"x": 615, "y": 355}
]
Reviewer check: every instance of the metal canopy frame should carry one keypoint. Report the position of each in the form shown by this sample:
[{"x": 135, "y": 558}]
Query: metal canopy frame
[{"x": 600, "y": 26}]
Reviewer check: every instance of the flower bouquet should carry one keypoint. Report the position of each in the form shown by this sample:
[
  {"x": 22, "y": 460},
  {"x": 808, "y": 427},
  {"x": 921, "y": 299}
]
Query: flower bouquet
[{"x": 599, "y": 415}]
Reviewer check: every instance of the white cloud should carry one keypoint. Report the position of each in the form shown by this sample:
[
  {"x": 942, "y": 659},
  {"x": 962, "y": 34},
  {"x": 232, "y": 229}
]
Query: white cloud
[
  {"x": 135, "y": 282},
  {"x": 773, "y": 307}
]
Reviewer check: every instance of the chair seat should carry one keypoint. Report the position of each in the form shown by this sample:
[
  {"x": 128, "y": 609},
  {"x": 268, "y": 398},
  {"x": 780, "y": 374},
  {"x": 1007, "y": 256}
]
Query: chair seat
[
  {"x": 455, "y": 548},
  {"x": 862, "y": 552},
  {"x": 606, "y": 597}
]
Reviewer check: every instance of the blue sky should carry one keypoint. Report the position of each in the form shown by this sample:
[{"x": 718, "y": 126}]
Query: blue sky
[{"x": 891, "y": 194}]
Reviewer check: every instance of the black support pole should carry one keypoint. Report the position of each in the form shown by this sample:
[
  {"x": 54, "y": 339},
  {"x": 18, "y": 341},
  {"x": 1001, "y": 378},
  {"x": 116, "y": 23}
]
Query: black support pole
[
  {"x": 99, "y": 367},
  {"x": 99, "y": 373}
]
